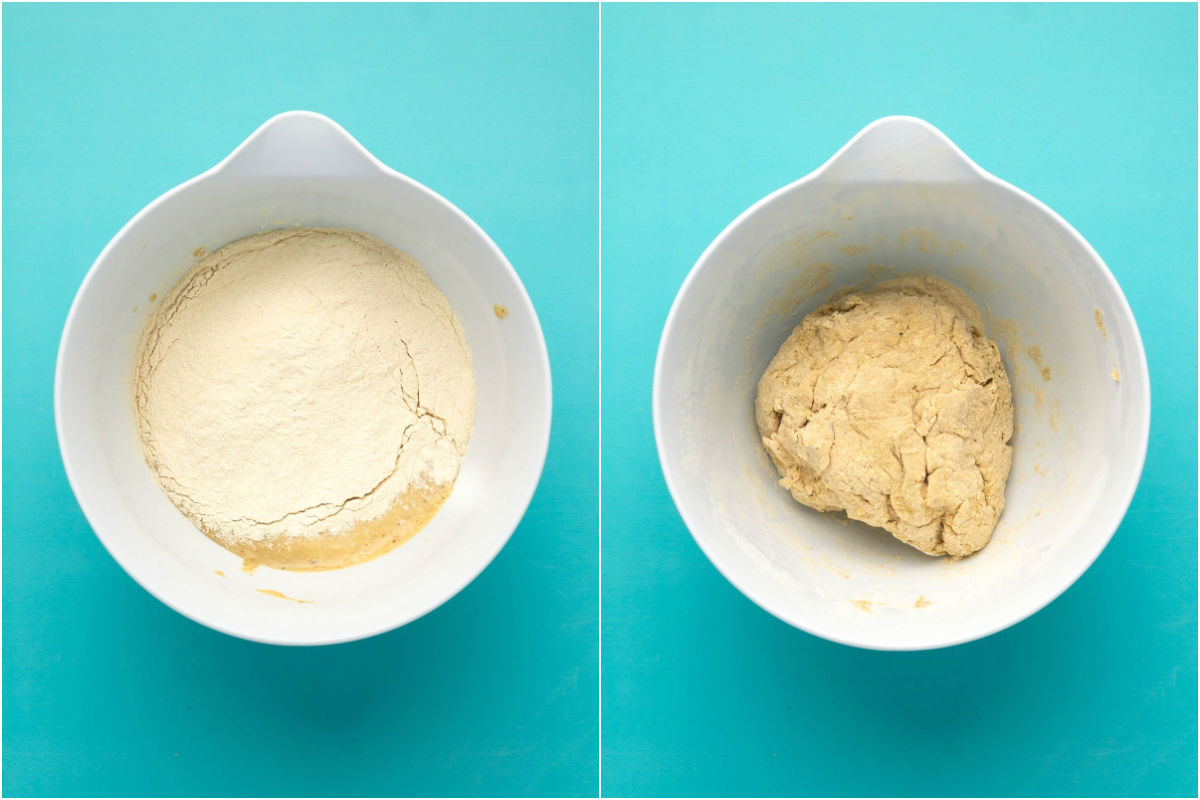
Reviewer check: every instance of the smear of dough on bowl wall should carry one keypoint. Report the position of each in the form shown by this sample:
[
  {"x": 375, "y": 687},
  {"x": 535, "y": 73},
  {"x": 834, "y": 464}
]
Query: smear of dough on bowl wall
[{"x": 1058, "y": 358}]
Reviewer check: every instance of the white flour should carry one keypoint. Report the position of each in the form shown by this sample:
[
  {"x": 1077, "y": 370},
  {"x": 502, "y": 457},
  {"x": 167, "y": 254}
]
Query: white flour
[{"x": 299, "y": 383}]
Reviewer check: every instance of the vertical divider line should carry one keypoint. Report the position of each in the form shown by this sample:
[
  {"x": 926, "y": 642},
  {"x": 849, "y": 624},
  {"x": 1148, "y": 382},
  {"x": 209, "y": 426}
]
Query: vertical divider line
[{"x": 599, "y": 398}]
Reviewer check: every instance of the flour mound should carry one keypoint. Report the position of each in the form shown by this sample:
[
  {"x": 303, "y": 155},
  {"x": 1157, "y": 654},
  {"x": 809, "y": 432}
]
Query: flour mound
[
  {"x": 298, "y": 383},
  {"x": 893, "y": 406}
]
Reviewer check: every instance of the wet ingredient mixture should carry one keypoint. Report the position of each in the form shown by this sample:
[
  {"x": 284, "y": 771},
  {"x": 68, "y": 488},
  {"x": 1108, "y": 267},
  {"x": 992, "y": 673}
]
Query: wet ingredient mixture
[
  {"x": 893, "y": 406},
  {"x": 305, "y": 397}
]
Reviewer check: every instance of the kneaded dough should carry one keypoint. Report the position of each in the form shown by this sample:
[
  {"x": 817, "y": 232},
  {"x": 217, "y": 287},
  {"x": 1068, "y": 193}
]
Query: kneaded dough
[{"x": 893, "y": 406}]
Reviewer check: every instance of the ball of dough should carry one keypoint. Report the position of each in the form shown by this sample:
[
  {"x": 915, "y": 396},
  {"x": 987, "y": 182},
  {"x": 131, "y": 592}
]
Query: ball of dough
[{"x": 893, "y": 406}]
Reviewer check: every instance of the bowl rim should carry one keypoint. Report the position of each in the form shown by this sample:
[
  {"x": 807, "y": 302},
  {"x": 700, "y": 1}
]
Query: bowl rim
[
  {"x": 817, "y": 627},
  {"x": 348, "y": 633}
]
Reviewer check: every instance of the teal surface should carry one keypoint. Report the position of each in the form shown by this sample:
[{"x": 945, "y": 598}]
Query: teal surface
[
  {"x": 108, "y": 692},
  {"x": 706, "y": 109}
]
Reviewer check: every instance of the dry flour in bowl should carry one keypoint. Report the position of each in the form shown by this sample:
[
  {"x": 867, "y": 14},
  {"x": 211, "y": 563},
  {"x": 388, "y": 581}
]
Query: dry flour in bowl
[{"x": 305, "y": 397}]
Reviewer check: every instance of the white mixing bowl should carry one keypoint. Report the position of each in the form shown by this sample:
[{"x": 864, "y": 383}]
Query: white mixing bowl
[
  {"x": 300, "y": 168},
  {"x": 898, "y": 199}
]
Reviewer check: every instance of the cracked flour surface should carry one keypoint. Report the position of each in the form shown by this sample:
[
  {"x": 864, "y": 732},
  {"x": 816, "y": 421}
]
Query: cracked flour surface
[
  {"x": 305, "y": 396},
  {"x": 893, "y": 406}
]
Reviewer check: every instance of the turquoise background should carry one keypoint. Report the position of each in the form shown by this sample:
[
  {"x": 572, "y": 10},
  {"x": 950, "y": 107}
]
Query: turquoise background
[
  {"x": 706, "y": 109},
  {"x": 108, "y": 692}
]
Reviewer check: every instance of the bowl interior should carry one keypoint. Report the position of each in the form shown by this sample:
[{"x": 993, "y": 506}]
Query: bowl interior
[
  {"x": 1080, "y": 433},
  {"x": 161, "y": 548}
]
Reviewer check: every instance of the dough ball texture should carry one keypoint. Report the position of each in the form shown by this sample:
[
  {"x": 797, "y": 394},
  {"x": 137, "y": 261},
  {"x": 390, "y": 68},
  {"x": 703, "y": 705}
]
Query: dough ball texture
[{"x": 893, "y": 406}]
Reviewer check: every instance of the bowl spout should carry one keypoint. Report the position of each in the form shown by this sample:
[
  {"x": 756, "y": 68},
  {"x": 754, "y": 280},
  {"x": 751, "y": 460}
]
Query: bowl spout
[
  {"x": 300, "y": 144},
  {"x": 900, "y": 149}
]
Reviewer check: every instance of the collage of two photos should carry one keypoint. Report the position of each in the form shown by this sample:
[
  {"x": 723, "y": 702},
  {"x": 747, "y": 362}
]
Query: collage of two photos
[{"x": 599, "y": 400}]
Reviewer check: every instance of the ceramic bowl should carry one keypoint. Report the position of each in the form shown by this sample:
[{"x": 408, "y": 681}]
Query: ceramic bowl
[
  {"x": 300, "y": 168},
  {"x": 901, "y": 199}
]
